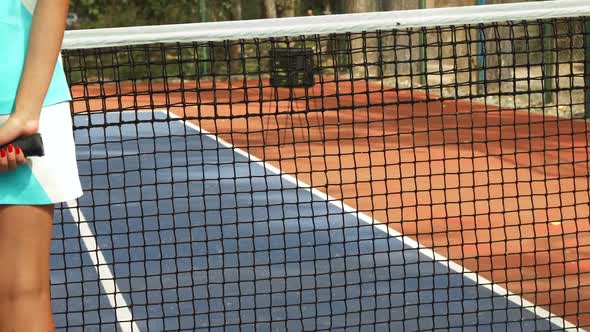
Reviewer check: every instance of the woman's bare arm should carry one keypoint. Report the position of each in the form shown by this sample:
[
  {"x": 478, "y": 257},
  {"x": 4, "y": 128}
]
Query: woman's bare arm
[
  {"x": 45, "y": 39},
  {"x": 47, "y": 30}
]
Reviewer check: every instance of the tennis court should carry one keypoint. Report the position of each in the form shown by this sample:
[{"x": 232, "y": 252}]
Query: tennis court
[{"x": 216, "y": 199}]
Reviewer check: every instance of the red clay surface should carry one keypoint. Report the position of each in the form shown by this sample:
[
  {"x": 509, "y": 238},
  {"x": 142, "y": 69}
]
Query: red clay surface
[{"x": 504, "y": 193}]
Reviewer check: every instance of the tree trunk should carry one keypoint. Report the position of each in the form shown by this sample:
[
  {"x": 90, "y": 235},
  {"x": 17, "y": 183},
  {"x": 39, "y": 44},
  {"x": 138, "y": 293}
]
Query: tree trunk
[
  {"x": 236, "y": 49},
  {"x": 327, "y": 7},
  {"x": 270, "y": 9},
  {"x": 498, "y": 58},
  {"x": 360, "y": 6},
  {"x": 400, "y": 4},
  {"x": 397, "y": 65},
  {"x": 286, "y": 8},
  {"x": 236, "y": 10},
  {"x": 363, "y": 45}
]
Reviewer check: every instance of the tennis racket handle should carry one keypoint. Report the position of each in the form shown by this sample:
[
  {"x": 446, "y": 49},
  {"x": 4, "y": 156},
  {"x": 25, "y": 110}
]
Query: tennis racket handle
[{"x": 32, "y": 145}]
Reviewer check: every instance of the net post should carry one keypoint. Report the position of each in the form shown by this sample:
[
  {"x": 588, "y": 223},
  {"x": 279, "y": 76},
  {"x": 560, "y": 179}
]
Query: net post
[
  {"x": 548, "y": 62},
  {"x": 586, "y": 67}
]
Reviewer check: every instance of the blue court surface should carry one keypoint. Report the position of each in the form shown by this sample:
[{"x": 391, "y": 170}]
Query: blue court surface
[{"x": 194, "y": 235}]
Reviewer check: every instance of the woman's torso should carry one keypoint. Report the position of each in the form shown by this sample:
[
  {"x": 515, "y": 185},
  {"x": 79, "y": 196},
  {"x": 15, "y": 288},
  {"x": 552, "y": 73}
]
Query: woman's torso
[{"x": 15, "y": 24}]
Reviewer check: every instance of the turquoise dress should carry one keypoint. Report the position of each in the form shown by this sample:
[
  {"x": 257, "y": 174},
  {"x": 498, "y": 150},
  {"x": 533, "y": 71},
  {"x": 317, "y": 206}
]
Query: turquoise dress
[
  {"x": 15, "y": 25},
  {"x": 54, "y": 177}
]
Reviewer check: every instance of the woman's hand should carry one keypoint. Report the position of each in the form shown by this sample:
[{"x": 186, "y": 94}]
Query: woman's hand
[
  {"x": 11, "y": 158},
  {"x": 47, "y": 30},
  {"x": 16, "y": 126}
]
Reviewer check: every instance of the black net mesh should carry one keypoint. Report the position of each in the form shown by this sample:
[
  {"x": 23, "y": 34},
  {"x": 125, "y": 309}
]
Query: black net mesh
[{"x": 415, "y": 179}]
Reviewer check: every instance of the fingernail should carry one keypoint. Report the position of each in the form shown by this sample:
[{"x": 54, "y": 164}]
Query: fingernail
[
  {"x": 10, "y": 148},
  {"x": 18, "y": 150},
  {"x": 3, "y": 153}
]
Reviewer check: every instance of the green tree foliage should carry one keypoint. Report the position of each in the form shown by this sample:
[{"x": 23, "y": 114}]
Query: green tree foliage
[
  {"x": 110, "y": 13},
  {"x": 115, "y": 13}
]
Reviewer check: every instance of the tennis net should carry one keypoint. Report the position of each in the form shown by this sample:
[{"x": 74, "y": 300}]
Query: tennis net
[{"x": 411, "y": 170}]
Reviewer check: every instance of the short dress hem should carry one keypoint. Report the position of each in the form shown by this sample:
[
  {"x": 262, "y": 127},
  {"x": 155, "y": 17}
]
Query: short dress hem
[{"x": 50, "y": 179}]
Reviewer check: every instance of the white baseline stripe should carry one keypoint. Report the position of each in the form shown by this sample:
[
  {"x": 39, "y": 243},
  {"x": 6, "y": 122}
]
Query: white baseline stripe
[
  {"x": 479, "y": 280},
  {"x": 113, "y": 294}
]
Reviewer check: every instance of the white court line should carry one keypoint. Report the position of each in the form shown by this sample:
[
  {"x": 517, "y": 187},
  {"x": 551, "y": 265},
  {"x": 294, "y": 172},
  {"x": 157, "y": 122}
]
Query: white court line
[
  {"x": 451, "y": 265},
  {"x": 105, "y": 275}
]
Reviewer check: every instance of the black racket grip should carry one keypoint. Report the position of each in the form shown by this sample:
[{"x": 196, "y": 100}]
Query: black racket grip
[{"x": 32, "y": 145}]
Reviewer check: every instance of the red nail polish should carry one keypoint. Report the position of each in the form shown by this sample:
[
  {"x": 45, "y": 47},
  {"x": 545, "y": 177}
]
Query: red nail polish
[
  {"x": 10, "y": 148},
  {"x": 3, "y": 153},
  {"x": 18, "y": 151}
]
